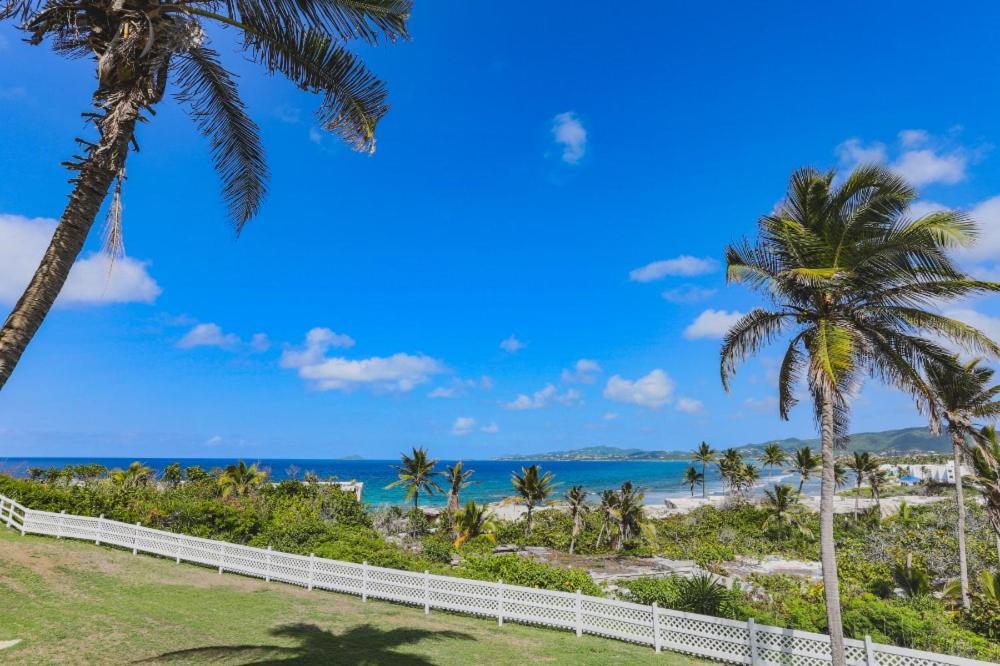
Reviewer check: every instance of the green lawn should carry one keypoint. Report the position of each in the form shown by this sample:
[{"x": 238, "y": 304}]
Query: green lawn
[{"x": 73, "y": 602}]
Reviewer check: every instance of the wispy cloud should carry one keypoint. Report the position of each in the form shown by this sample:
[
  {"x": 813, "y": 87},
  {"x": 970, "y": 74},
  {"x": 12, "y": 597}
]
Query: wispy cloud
[
  {"x": 653, "y": 390},
  {"x": 463, "y": 425},
  {"x": 543, "y": 398},
  {"x": 490, "y": 428},
  {"x": 211, "y": 335},
  {"x": 690, "y": 406},
  {"x": 585, "y": 371},
  {"x": 685, "y": 265},
  {"x": 921, "y": 158},
  {"x": 688, "y": 293},
  {"x": 512, "y": 345},
  {"x": 712, "y": 324},
  {"x": 569, "y": 132},
  {"x": 288, "y": 114}
]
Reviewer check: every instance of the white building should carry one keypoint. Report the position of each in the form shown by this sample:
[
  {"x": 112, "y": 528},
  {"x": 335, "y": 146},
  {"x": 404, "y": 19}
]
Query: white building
[{"x": 937, "y": 473}]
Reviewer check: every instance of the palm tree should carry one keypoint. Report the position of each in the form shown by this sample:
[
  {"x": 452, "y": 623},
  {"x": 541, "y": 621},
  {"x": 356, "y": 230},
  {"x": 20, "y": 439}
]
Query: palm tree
[
  {"x": 241, "y": 480},
  {"x": 774, "y": 456},
  {"x": 135, "y": 476},
  {"x": 704, "y": 454},
  {"x": 729, "y": 467},
  {"x": 913, "y": 580},
  {"x": 139, "y": 48},
  {"x": 986, "y": 463},
  {"x": 608, "y": 512},
  {"x": 473, "y": 521},
  {"x": 172, "y": 474},
  {"x": 964, "y": 391},
  {"x": 856, "y": 284},
  {"x": 805, "y": 463},
  {"x": 416, "y": 474},
  {"x": 533, "y": 487},
  {"x": 629, "y": 513},
  {"x": 990, "y": 582},
  {"x": 877, "y": 480},
  {"x": 36, "y": 473},
  {"x": 839, "y": 475},
  {"x": 783, "y": 510},
  {"x": 692, "y": 477},
  {"x": 576, "y": 499},
  {"x": 862, "y": 464},
  {"x": 458, "y": 480}
]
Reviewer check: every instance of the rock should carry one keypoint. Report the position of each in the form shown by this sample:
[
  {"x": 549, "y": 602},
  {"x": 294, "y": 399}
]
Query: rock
[{"x": 506, "y": 548}]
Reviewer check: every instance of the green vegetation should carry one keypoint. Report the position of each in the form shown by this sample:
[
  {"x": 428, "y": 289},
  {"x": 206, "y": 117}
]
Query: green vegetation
[{"x": 75, "y": 602}]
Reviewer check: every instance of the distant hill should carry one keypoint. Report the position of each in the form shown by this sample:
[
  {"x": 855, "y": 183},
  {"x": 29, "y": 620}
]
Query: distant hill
[{"x": 886, "y": 442}]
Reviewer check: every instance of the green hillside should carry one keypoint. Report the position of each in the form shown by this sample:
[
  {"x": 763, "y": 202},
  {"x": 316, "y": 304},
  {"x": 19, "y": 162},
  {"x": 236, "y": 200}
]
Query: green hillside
[{"x": 901, "y": 441}]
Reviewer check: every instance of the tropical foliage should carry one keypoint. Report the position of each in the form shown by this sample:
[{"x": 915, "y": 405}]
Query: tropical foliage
[
  {"x": 416, "y": 474},
  {"x": 533, "y": 487}
]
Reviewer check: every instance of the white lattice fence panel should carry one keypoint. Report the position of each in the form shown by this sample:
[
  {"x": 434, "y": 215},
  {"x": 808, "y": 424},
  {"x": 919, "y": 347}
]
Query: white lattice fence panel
[
  {"x": 705, "y": 636},
  {"x": 466, "y": 596},
  {"x": 245, "y": 560},
  {"x": 403, "y": 586},
  {"x": 201, "y": 551},
  {"x": 617, "y": 619},
  {"x": 890, "y": 655},
  {"x": 337, "y": 576},
  {"x": 553, "y": 609},
  {"x": 292, "y": 569}
]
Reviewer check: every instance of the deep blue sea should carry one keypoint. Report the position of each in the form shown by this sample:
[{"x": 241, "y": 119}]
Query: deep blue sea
[{"x": 491, "y": 478}]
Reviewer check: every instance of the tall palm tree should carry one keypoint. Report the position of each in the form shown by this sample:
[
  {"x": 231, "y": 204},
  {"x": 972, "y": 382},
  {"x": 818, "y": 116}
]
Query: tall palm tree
[
  {"x": 856, "y": 284},
  {"x": 533, "y": 487},
  {"x": 862, "y": 464},
  {"x": 473, "y": 521},
  {"x": 704, "y": 454},
  {"x": 774, "y": 456},
  {"x": 839, "y": 475},
  {"x": 692, "y": 477},
  {"x": 878, "y": 479},
  {"x": 416, "y": 474},
  {"x": 783, "y": 510},
  {"x": 964, "y": 391},
  {"x": 135, "y": 476},
  {"x": 140, "y": 47},
  {"x": 630, "y": 513},
  {"x": 458, "y": 480},
  {"x": 986, "y": 464},
  {"x": 576, "y": 499},
  {"x": 730, "y": 465},
  {"x": 608, "y": 512},
  {"x": 805, "y": 463},
  {"x": 241, "y": 480}
]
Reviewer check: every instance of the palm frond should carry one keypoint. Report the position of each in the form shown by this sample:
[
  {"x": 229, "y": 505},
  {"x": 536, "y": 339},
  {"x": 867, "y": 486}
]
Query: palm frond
[
  {"x": 354, "y": 99},
  {"x": 221, "y": 116},
  {"x": 754, "y": 330},
  {"x": 365, "y": 20}
]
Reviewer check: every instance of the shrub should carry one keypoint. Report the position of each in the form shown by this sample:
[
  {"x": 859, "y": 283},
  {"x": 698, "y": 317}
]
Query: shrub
[{"x": 517, "y": 570}]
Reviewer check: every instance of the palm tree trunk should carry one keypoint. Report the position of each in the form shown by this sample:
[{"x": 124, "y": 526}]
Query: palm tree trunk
[
  {"x": 92, "y": 185},
  {"x": 828, "y": 554},
  {"x": 963, "y": 565},
  {"x": 998, "y": 547},
  {"x": 704, "y": 488},
  {"x": 857, "y": 500},
  {"x": 529, "y": 518}
]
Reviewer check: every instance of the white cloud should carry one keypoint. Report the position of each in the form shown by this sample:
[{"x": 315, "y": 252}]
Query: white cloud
[
  {"x": 683, "y": 265},
  {"x": 610, "y": 416},
  {"x": 987, "y": 214},
  {"x": 712, "y": 324},
  {"x": 315, "y": 135},
  {"x": 441, "y": 392},
  {"x": 853, "y": 152},
  {"x": 214, "y": 440},
  {"x": 926, "y": 166},
  {"x": 654, "y": 390},
  {"x": 288, "y": 114},
  {"x": 690, "y": 405},
  {"x": 585, "y": 371},
  {"x": 912, "y": 138},
  {"x": 923, "y": 207},
  {"x": 543, "y": 398},
  {"x": 569, "y": 132},
  {"x": 93, "y": 280},
  {"x": 399, "y": 372},
  {"x": 460, "y": 387},
  {"x": 490, "y": 428},
  {"x": 463, "y": 425},
  {"x": 512, "y": 344},
  {"x": 688, "y": 293},
  {"x": 765, "y": 405},
  {"x": 212, "y": 335}
]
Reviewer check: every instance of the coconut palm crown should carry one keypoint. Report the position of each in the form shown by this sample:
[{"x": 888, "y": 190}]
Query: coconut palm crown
[
  {"x": 534, "y": 487},
  {"x": 856, "y": 284},
  {"x": 140, "y": 49},
  {"x": 416, "y": 474}
]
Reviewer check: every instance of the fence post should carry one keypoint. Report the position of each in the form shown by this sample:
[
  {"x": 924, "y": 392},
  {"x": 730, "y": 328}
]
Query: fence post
[
  {"x": 24, "y": 517},
  {"x": 427, "y": 592},
  {"x": 500, "y": 602},
  {"x": 222, "y": 555},
  {"x": 100, "y": 530},
  {"x": 312, "y": 567},
  {"x": 177, "y": 552},
  {"x": 135, "y": 539},
  {"x": 578, "y": 603},
  {"x": 59, "y": 531},
  {"x": 870, "y": 652},
  {"x": 656, "y": 628},
  {"x": 364, "y": 581},
  {"x": 752, "y": 634},
  {"x": 267, "y": 565},
  {"x": 10, "y": 510}
]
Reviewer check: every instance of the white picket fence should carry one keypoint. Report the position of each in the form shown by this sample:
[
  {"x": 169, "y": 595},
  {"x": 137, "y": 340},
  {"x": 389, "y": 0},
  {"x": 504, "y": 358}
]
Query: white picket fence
[{"x": 663, "y": 629}]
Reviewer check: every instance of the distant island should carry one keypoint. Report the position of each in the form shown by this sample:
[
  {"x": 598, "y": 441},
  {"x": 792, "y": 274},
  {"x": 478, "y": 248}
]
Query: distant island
[{"x": 887, "y": 442}]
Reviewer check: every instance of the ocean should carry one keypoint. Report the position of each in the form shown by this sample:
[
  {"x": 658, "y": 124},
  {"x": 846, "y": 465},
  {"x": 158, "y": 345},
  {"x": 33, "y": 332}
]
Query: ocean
[{"x": 490, "y": 480}]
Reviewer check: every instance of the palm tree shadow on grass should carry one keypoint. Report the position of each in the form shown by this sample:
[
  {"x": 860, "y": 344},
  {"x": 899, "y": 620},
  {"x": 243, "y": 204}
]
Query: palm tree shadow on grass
[{"x": 361, "y": 644}]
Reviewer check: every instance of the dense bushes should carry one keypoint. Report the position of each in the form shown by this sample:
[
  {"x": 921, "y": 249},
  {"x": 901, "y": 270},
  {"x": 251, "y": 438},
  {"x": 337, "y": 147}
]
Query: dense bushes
[{"x": 517, "y": 570}]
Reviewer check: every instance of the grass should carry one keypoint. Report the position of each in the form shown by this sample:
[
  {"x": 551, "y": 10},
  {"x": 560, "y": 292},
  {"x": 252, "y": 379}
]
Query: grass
[{"x": 74, "y": 602}]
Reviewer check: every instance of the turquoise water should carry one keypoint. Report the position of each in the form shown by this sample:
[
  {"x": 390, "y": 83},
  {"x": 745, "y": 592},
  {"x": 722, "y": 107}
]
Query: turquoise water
[{"x": 658, "y": 479}]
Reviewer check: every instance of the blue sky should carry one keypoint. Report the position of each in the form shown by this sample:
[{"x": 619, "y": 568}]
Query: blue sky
[{"x": 530, "y": 261}]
